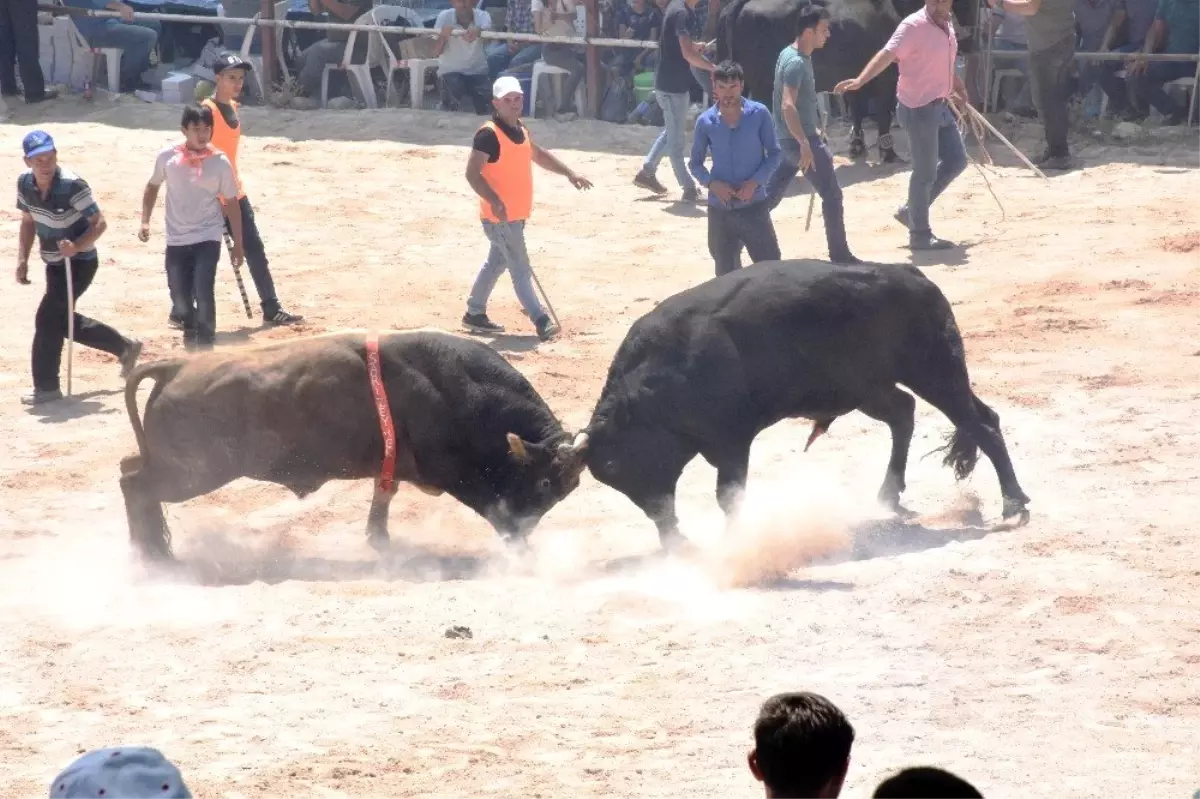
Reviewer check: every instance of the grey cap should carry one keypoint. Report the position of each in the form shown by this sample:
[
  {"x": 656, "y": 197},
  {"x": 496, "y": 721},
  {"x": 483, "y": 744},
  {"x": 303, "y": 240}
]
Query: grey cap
[{"x": 133, "y": 772}]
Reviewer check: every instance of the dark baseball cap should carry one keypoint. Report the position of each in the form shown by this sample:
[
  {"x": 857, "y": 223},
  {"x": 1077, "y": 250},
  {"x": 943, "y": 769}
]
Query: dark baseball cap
[
  {"x": 230, "y": 61},
  {"x": 37, "y": 143}
]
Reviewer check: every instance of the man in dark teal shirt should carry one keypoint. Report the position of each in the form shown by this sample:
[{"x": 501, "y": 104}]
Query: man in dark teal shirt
[
  {"x": 740, "y": 134},
  {"x": 797, "y": 125}
]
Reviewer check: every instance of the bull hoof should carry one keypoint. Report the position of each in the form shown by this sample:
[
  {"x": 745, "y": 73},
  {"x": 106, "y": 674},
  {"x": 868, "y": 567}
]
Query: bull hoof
[
  {"x": 380, "y": 542},
  {"x": 858, "y": 149},
  {"x": 1015, "y": 513},
  {"x": 678, "y": 545},
  {"x": 890, "y": 157}
]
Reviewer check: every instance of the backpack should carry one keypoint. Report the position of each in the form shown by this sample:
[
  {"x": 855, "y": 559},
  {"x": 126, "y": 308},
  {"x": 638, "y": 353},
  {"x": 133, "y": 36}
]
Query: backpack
[{"x": 618, "y": 101}]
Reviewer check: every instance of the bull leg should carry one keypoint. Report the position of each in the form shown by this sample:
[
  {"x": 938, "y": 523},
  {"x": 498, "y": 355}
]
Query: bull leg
[
  {"x": 858, "y": 112},
  {"x": 732, "y": 469},
  {"x": 148, "y": 529},
  {"x": 883, "y": 119},
  {"x": 377, "y": 518},
  {"x": 896, "y": 409},
  {"x": 976, "y": 426}
]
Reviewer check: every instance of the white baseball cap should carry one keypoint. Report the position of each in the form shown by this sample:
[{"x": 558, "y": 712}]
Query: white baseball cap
[{"x": 505, "y": 85}]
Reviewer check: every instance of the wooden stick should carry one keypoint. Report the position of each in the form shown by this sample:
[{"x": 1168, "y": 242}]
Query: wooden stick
[
  {"x": 983, "y": 120},
  {"x": 70, "y": 323},
  {"x": 812, "y": 198}
]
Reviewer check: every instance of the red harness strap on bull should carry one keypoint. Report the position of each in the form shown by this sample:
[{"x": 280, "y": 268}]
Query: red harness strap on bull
[{"x": 384, "y": 409}]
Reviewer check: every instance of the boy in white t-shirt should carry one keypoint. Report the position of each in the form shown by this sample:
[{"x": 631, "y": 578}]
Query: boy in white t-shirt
[
  {"x": 462, "y": 60},
  {"x": 196, "y": 175}
]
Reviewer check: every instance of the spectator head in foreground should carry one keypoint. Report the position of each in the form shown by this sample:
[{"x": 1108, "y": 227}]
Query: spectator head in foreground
[
  {"x": 132, "y": 772},
  {"x": 926, "y": 782},
  {"x": 801, "y": 746}
]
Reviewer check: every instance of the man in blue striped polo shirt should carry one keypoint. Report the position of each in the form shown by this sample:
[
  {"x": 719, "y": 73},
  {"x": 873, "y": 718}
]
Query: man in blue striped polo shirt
[
  {"x": 740, "y": 134},
  {"x": 57, "y": 206}
]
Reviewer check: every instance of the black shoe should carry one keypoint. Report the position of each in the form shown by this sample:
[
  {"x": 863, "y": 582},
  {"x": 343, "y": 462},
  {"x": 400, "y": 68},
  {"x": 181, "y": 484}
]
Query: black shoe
[
  {"x": 129, "y": 359},
  {"x": 845, "y": 259},
  {"x": 929, "y": 243},
  {"x": 645, "y": 180},
  {"x": 40, "y": 395},
  {"x": 175, "y": 322},
  {"x": 49, "y": 94},
  {"x": 1055, "y": 163},
  {"x": 282, "y": 317},
  {"x": 690, "y": 195},
  {"x": 546, "y": 329},
  {"x": 479, "y": 323}
]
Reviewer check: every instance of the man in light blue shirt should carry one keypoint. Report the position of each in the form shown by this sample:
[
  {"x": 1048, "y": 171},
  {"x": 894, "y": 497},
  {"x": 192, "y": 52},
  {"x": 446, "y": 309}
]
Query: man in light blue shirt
[{"x": 740, "y": 134}]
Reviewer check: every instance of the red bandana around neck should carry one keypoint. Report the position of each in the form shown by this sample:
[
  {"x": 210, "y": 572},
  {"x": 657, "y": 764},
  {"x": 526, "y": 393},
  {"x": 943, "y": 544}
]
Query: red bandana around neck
[{"x": 193, "y": 158}]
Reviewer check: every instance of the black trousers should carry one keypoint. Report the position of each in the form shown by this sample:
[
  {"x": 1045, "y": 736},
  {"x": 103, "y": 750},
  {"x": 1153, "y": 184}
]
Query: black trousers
[
  {"x": 50, "y": 324},
  {"x": 465, "y": 92},
  {"x": 1049, "y": 71},
  {"x": 19, "y": 45},
  {"x": 730, "y": 230},
  {"x": 256, "y": 259},
  {"x": 191, "y": 273}
]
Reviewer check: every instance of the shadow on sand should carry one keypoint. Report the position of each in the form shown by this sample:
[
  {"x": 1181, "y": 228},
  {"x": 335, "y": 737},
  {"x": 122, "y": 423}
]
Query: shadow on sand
[
  {"x": 73, "y": 407},
  {"x": 277, "y": 565}
]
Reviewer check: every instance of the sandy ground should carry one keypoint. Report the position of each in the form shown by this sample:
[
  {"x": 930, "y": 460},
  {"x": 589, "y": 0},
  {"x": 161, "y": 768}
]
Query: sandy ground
[{"x": 1058, "y": 659}]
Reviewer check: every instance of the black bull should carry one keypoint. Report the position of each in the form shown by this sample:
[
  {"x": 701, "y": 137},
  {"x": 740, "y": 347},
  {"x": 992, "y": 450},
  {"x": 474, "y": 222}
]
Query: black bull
[
  {"x": 711, "y": 367},
  {"x": 300, "y": 413},
  {"x": 752, "y": 32}
]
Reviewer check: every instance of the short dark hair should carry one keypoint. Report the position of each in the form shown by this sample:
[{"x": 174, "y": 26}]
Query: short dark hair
[
  {"x": 729, "y": 72},
  {"x": 926, "y": 782},
  {"x": 809, "y": 16},
  {"x": 196, "y": 115},
  {"x": 801, "y": 742}
]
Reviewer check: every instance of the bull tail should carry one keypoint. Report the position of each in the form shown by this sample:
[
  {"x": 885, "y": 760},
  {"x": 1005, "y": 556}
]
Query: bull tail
[
  {"x": 962, "y": 453},
  {"x": 160, "y": 371}
]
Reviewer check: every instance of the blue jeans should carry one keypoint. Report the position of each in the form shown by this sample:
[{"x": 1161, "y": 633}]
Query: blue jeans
[
  {"x": 1105, "y": 73},
  {"x": 191, "y": 273},
  {"x": 507, "y": 252},
  {"x": 824, "y": 180},
  {"x": 938, "y": 157},
  {"x": 136, "y": 40},
  {"x": 673, "y": 138},
  {"x": 500, "y": 60}
]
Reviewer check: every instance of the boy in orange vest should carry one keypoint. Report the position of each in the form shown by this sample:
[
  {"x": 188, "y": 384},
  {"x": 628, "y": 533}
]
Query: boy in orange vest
[
  {"x": 500, "y": 170},
  {"x": 230, "y": 70}
]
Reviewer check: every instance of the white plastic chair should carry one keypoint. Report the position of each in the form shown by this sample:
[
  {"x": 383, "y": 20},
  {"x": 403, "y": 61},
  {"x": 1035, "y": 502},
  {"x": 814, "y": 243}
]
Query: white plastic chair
[
  {"x": 359, "y": 74},
  {"x": 392, "y": 63},
  {"x": 254, "y": 76},
  {"x": 541, "y": 68},
  {"x": 998, "y": 76},
  {"x": 87, "y": 54},
  {"x": 1189, "y": 86}
]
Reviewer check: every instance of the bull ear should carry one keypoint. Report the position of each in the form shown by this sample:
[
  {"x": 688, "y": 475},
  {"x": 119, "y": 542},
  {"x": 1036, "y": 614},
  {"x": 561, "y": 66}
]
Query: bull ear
[{"x": 517, "y": 447}]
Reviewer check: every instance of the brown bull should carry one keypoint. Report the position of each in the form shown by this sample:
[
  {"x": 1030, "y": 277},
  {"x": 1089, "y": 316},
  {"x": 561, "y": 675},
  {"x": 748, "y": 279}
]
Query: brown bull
[{"x": 300, "y": 413}]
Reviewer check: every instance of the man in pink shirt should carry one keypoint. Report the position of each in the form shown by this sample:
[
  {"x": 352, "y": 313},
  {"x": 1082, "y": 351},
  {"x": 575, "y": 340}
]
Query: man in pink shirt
[{"x": 925, "y": 48}]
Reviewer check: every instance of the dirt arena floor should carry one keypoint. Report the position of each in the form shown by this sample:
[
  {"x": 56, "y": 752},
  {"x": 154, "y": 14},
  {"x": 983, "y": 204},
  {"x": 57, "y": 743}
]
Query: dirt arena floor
[{"x": 1062, "y": 658}]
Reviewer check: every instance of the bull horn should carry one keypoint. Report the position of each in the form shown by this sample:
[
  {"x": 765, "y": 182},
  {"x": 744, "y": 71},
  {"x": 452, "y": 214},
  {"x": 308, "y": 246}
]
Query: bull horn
[{"x": 575, "y": 447}]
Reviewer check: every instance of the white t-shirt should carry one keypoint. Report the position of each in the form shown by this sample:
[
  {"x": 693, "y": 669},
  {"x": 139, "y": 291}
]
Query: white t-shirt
[
  {"x": 468, "y": 58},
  {"x": 193, "y": 212}
]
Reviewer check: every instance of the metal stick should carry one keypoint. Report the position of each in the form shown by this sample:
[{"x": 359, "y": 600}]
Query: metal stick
[
  {"x": 70, "y": 323},
  {"x": 237, "y": 273},
  {"x": 983, "y": 120}
]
